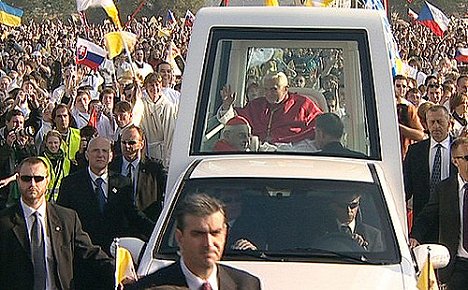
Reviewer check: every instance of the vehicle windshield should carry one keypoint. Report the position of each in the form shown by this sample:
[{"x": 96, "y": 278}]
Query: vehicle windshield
[
  {"x": 325, "y": 71},
  {"x": 296, "y": 220}
]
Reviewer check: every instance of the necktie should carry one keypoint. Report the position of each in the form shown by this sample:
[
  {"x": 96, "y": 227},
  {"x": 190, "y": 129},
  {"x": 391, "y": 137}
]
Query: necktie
[
  {"x": 206, "y": 286},
  {"x": 100, "y": 194},
  {"x": 38, "y": 253},
  {"x": 435, "y": 176},
  {"x": 465, "y": 218},
  {"x": 130, "y": 171}
]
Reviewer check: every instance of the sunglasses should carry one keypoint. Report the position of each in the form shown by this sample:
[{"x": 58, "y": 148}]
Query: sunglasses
[
  {"x": 130, "y": 142},
  {"x": 350, "y": 205},
  {"x": 461, "y": 157},
  {"x": 37, "y": 178}
]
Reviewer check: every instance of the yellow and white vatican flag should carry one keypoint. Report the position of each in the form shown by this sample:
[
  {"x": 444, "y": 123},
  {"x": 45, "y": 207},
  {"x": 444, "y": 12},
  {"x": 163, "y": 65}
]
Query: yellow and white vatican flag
[
  {"x": 427, "y": 279},
  {"x": 124, "y": 266},
  {"x": 108, "y": 6},
  {"x": 117, "y": 40}
]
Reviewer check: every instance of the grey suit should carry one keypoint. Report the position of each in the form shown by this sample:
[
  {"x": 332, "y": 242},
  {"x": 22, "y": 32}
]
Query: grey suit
[
  {"x": 172, "y": 275},
  {"x": 69, "y": 244}
]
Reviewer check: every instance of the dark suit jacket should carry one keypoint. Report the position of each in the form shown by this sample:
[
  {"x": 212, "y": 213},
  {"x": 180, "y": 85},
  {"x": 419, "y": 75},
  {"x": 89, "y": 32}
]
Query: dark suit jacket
[
  {"x": 417, "y": 178},
  {"x": 172, "y": 275},
  {"x": 337, "y": 149},
  {"x": 442, "y": 209},
  {"x": 372, "y": 235},
  {"x": 69, "y": 244},
  {"x": 151, "y": 185},
  {"x": 120, "y": 217}
]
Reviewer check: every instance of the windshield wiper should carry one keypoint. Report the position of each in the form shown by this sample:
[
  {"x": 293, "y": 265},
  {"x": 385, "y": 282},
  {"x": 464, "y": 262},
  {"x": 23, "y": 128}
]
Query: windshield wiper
[
  {"x": 322, "y": 253},
  {"x": 260, "y": 255}
]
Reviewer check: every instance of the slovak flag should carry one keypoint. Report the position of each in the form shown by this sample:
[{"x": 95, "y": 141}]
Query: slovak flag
[
  {"x": 89, "y": 54},
  {"x": 431, "y": 17},
  {"x": 189, "y": 18},
  {"x": 462, "y": 55}
]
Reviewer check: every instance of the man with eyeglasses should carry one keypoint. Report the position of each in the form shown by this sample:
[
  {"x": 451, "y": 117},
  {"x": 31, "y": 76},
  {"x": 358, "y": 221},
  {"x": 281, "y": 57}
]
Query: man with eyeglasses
[
  {"x": 410, "y": 127},
  {"x": 148, "y": 175},
  {"x": 447, "y": 213},
  {"x": 41, "y": 242},
  {"x": 345, "y": 207}
]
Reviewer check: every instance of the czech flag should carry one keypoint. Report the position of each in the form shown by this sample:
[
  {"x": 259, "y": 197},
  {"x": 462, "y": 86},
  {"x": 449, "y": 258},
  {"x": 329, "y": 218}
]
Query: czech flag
[
  {"x": 89, "y": 54},
  {"x": 412, "y": 15},
  {"x": 170, "y": 19},
  {"x": 9, "y": 15},
  {"x": 462, "y": 55},
  {"x": 431, "y": 17}
]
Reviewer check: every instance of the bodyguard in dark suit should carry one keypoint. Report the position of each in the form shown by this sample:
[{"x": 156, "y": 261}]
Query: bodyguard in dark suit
[
  {"x": 328, "y": 132},
  {"x": 40, "y": 242},
  {"x": 201, "y": 235},
  {"x": 447, "y": 213},
  {"x": 148, "y": 175},
  {"x": 421, "y": 159}
]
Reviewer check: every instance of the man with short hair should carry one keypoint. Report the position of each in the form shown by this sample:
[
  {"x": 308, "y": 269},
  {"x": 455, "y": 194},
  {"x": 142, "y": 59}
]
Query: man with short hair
[
  {"x": 62, "y": 118},
  {"x": 167, "y": 73},
  {"x": 447, "y": 213},
  {"x": 123, "y": 118},
  {"x": 462, "y": 84},
  {"x": 41, "y": 242},
  {"x": 328, "y": 132},
  {"x": 201, "y": 235},
  {"x": 434, "y": 93},
  {"x": 148, "y": 175},
  {"x": 141, "y": 67},
  {"x": 428, "y": 162}
]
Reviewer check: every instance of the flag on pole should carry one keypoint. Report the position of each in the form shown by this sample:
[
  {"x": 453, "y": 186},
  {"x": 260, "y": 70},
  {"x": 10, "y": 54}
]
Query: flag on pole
[
  {"x": 189, "y": 18},
  {"x": 271, "y": 3},
  {"x": 171, "y": 54},
  {"x": 10, "y": 15},
  {"x": 413, "y": 15},
  {"x": 433, "y": 18},
  {"x": 114, "y": 42},
  {"x": 462, "y": 55},
  {"x": 170, "y": 18},
  {"x": 124, "y": 266},
  {"x": 164, "y": 32},
  {"x": 89, "y": 54},
  {"x": 224, "y": 3},
  {"x": 427, "y": 279},
  {"x": 93, "y": 118},
  {"x": 108, "y": 6}
]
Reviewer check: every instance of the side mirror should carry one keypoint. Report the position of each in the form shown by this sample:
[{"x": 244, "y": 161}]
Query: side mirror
[
  {"x": 134, "y": 245},
  {"x": 440, "y": 255}
]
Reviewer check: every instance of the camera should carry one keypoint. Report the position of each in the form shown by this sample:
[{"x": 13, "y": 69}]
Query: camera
[{"x": 25, "y": 132}]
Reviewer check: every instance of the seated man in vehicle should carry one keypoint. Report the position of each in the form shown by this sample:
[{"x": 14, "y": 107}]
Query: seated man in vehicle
[
  {"x": 279, "y": 116},
  {"x": 345, "y": 207},
  {"x": 235, "y": 136},
  {"x": 328, "y": 132}
]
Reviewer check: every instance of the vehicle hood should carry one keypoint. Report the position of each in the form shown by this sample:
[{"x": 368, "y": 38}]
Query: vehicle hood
[{"x": 275, "y": 275}]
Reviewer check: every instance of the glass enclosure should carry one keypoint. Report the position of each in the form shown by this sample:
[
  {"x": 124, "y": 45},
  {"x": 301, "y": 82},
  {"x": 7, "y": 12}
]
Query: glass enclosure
[
  {"x": 296, "y": 219},
  {"x": 329, "y": 68}
]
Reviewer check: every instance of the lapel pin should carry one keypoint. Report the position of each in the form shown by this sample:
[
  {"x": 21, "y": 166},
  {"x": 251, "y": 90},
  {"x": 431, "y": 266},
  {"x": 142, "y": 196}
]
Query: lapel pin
[
  {"x": 57, "y": 228},
  {"x": 114, "y": 190}
]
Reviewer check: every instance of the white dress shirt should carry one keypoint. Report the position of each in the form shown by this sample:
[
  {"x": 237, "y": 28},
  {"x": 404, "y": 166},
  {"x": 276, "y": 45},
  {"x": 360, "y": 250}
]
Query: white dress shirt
[
  {"x": 194, "y": 282},
  {"x": 444, "y": 157},
  {"x": 105, "y": 184},
  {"x": 136, "y": 166}
]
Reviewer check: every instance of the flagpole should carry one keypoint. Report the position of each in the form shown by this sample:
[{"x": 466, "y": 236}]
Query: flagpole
[
  {"x": 116, "y": 243},
  {"x": 138, "y": 9},
  {"x": 428, "y": 267}
]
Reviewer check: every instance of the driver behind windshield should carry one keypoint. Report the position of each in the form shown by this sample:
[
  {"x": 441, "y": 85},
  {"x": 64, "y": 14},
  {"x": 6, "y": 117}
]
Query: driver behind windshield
[{"x": 346, "y": 210}]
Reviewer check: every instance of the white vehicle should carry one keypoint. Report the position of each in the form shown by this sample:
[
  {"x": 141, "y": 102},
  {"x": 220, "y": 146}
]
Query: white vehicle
[{"x": 284, "y": 194}]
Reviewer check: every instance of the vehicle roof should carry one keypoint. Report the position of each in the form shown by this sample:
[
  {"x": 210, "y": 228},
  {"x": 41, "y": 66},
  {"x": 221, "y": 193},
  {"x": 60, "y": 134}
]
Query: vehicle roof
[
  {"x": 289, "y": 17},
  {"x": 283, "y": 167}
]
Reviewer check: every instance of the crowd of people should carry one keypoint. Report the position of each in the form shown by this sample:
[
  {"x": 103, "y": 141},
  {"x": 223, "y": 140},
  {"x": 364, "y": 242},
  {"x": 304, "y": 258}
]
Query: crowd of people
[{"x": 106, "y": 135}]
